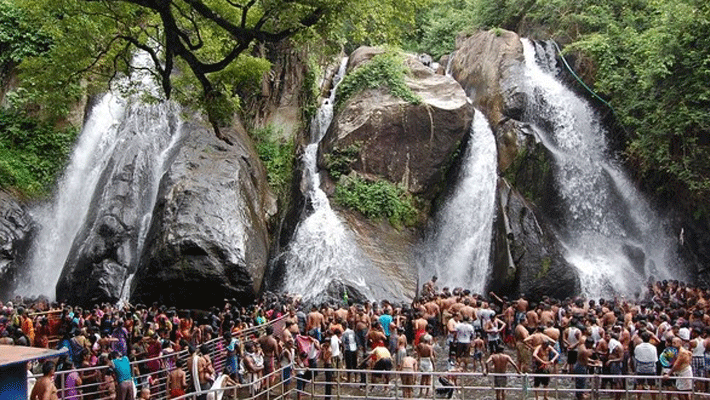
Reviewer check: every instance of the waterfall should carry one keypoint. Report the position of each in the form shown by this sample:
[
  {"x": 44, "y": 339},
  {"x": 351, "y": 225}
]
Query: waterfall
[
  {"x": 610, "y": 232},
  {"x": 323, "y": 250},
  {"x": 124, "y": 146},
  {"x": 458, "y": 247}
]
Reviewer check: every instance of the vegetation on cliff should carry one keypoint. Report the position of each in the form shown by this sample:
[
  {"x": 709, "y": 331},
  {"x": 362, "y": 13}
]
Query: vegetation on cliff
[{"x": 376, "y": 199}]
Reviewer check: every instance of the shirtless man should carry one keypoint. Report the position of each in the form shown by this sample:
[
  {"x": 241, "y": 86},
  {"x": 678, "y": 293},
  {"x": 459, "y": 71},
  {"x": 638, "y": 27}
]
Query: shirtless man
[
  {"x": 315, "y": 322},
  {"x": 44, "y": 388},
  {"x": 521, "y": 308},
  {"x": 500, "y": 363},
  {"x": 419, "y": 325},
  {"x": 478, "y": 346},
  {"x": 362, "y": 325},
  {"x": 583, "y": 364},
  {"x": 554, "y": 334},
  {"x": 177, "y": 380},
  {"x": 409, "y": 366},
  {"x": 523, "y": 349},
  {"x": 681, "y": 368},
  {"x": 271, "y": 349},
  {"x": 547, "y": 317},
  {"x": 545, "y": 357},
  {"x": 571, "y": 340}
]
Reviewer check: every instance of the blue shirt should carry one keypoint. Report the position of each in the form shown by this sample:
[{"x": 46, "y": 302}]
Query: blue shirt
[
  {"x": 385, "y": 321},
  {"x": 123, "y": 369}
]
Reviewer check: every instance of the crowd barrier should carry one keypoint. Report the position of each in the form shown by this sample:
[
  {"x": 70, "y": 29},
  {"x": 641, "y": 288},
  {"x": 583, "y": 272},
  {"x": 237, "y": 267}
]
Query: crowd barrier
[{"x": 156, "y": 381}]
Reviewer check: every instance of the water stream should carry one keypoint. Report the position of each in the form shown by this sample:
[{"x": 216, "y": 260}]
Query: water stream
[
  {"x": 323, "y": 250},
  {"x": 121, "y": 153},
  {"x": 458, "y": 248},
  {"x": 610, "y": 232}
]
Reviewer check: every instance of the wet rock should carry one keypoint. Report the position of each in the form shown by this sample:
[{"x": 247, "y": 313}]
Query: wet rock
[
  {"x": 406, "y": 144},
  {"x": 489, "y": 66},
  {"x": 527, "y": 258},
  {"x": 106, "y": 249},
  {"x": 16, "y": 232},
  {"x": 209, "y": 237}
]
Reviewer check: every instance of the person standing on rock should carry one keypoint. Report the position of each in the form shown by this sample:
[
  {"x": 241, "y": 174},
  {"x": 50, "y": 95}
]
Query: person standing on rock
[
  {"x": 271, "y": 349},
  {"x": 544, "y": 358},
  {"x": 315, "y": 322}
]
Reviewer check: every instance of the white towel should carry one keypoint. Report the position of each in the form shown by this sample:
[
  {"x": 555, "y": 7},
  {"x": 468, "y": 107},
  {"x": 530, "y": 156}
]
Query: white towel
[{"x": 196, "y": 373}]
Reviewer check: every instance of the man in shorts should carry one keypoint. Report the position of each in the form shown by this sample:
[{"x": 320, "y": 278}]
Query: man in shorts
[{"x": 500, "y": 363}]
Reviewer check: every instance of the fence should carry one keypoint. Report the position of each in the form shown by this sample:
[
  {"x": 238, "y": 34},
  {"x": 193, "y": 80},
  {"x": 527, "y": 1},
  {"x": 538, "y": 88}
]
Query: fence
[{"x": 153, "y": 372}]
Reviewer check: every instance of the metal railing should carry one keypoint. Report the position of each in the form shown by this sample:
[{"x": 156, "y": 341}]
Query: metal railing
[{"x": 153, "y": 372}]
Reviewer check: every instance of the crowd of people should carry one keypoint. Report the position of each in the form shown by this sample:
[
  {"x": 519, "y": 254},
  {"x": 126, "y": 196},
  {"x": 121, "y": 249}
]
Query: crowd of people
[{"x": 665, "y": 332}]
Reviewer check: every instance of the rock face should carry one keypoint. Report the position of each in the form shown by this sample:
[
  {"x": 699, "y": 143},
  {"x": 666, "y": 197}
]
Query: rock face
[
  {"x": 528, "y": 258},
  {"x": 490, "y": 67},
  {"x": 16, "y": 231},
  {"x": 107, "y": 248},
  {"x": 410, "y": 145},
  {"x": 209, "y": 237},
  {"x": 382, "y": 137}
]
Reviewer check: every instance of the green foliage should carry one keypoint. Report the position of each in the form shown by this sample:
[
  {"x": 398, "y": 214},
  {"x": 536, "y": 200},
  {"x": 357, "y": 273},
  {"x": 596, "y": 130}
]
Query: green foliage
[
  {"x": 385, "y": 70},
  {"x": 310, "y": 90},
  {"x": 277, "y": 157},
  {"x": 379, "y": 199},
  {"x": 31, "y": 153},
  {"x": 339, "y": 161},
  {"x": 18, "y": 37},
  {"x": 438, "y": 25},
  {"x": 545, "y": 265}
]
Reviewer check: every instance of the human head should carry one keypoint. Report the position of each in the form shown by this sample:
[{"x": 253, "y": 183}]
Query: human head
[{"x": 48, "y": 368}]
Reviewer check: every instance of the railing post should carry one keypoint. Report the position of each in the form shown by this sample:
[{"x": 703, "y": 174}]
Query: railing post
[
  {"x": 337, "y": 380},
  {"x": 525, "y": 386},
  {"x": 595, "y": 387}
]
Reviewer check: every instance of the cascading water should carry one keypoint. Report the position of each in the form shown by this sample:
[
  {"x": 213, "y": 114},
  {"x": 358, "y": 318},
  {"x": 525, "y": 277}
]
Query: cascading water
[
  {"x": 323, "y": 250},
  {"x": 458, "y": 248},
  {"x": 610, "y": 233},
  {"x": 99, "y": 160}
]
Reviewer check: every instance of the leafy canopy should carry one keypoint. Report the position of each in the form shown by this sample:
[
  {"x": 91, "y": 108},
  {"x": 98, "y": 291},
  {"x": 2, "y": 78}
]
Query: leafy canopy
[{"x": 203, "y": 46}]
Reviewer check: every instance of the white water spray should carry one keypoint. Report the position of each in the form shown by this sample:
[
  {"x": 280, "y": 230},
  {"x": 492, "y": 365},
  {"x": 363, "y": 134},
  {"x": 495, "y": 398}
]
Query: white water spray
[
  {"x": 114, "y": 123},
  {"x": 323, "y": 249},
  {"x": 612, "y": 235},
  {"x": 458, "y": 248}
]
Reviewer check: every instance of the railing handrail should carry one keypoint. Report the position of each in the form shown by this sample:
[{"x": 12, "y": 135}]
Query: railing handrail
[{"x": 213, "y": 343}]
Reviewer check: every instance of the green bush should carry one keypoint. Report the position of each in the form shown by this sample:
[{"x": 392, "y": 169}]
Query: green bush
[
  {"x": 32, "y": 153},
  {"x": 385, "y": 70},
  {"x": 338, "y": 162},
  {"x": 277, "y": 157},
  {"x": 375, "y": 200}
]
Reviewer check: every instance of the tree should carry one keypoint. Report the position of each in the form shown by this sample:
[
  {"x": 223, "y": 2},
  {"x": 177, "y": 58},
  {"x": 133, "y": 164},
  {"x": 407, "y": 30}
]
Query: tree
[{"x": 205, "y": 38}]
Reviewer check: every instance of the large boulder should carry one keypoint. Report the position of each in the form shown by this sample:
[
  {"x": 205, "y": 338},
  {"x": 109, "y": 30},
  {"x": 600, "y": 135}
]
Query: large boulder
[
  {"x": 527, "y": 258},
  {"x": 106, "y": 250},
  {"x": 209, "y": 237},
  {"x": 381, "y": 137},
  {"x": 16, "y": 232},
  {"x": 489, "y": 65},
  {"x": 389, "y": 138}
]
